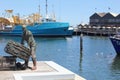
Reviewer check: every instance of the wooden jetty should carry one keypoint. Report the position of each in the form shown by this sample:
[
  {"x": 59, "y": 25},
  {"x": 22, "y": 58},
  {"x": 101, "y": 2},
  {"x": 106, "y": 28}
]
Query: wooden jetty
[
  {"x": 46, "y": 70},
  {"x": 95, "y": 31}
]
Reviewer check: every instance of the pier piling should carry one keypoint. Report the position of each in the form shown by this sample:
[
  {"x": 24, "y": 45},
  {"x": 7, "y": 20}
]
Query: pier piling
[{"x": 81, "y": 42}]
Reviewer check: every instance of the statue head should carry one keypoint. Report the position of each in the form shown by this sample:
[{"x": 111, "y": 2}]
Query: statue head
[{"x": 24, "y": 28}]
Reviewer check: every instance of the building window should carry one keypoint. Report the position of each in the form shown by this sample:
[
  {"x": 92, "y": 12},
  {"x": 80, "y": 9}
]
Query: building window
[
  {"x": 94, "y": 20},
  {"x": 117, "y": 20},
  {"x": 111, "y": 20}
]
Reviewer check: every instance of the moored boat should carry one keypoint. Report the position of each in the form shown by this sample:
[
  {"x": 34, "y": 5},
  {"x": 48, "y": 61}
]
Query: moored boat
[
  {"x": 116, "y": 43},
  {"x": 42, "y": 29}
]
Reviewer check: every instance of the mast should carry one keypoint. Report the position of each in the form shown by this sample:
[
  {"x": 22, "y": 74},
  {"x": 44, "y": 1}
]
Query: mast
[
  {"x": 39, "y": 9},
  {"x": 46, "y": 8}
]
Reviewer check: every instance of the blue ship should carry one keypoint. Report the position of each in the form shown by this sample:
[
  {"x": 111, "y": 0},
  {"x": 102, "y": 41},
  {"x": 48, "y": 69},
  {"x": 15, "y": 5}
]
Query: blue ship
[
  {"x": 41, "y": 29},
  {"x": 116, "y": 43}
]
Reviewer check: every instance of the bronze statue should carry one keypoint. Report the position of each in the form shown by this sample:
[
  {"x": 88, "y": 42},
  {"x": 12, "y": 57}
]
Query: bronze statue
[{"x": 28, "y": 37}]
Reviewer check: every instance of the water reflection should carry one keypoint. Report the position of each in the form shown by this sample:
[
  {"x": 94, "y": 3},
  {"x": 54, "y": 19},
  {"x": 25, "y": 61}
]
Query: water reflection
[
  {"x": 81, "y": 51},
  {"x": 81, "y": 58},
  {"x": 115, "y": 69},
  {"x": 7, "y": 38},
  {"x": 116, "y": 63},
  {"x": 4, "y": 39}
]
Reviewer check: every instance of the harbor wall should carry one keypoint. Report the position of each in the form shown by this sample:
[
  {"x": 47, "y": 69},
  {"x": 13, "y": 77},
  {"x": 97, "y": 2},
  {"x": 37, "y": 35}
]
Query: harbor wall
[{"x": 96, "y": 31}]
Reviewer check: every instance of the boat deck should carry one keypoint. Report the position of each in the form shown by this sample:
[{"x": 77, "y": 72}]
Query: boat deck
[{"x": 46, "y": 70}]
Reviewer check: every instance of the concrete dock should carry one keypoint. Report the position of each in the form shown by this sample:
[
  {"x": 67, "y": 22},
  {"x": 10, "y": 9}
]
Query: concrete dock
[{"x": 46, "y": 70}]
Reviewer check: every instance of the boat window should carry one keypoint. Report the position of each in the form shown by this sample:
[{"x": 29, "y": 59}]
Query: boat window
[{"x": 65, "y": 30}]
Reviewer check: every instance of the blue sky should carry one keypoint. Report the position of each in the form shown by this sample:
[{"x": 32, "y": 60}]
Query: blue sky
[{"x": 72, "y": 11}]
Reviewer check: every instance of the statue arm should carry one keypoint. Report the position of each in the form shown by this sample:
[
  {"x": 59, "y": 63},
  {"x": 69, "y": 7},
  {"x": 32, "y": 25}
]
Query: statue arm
[{"x": 22, "y": 41}]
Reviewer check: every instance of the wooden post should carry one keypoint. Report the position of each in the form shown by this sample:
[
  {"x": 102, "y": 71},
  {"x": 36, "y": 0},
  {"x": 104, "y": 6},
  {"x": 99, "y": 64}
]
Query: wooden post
[
  {"x": 81, "y": 42},
  {"x": 81, "y": 50}
]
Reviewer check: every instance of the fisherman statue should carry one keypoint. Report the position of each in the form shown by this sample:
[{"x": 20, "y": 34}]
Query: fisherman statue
[{"x": 28, "y": 37}]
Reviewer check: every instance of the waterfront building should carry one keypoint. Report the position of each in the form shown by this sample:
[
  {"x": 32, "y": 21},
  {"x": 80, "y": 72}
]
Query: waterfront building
[{"x": 105, "y": 19}]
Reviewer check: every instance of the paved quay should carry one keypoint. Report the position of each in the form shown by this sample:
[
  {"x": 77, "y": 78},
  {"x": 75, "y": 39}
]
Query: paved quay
[{"x": 46, "y": 70}]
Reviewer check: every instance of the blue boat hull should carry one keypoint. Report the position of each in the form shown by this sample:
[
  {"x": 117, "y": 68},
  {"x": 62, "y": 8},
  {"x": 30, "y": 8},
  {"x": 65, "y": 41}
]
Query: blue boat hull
[
  {"x": 116, "y": 44},
  {"x": 44, "y": 29}
]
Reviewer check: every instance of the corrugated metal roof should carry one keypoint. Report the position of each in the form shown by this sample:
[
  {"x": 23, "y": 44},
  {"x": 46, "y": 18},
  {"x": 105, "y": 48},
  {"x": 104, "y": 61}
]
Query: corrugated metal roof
[
  {"x": 114, "y": 14},
  {"x": 101, "y": 14}
]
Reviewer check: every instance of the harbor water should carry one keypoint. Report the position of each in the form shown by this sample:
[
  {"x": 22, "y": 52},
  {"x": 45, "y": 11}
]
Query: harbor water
[{"x": 96, "y": 61}]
